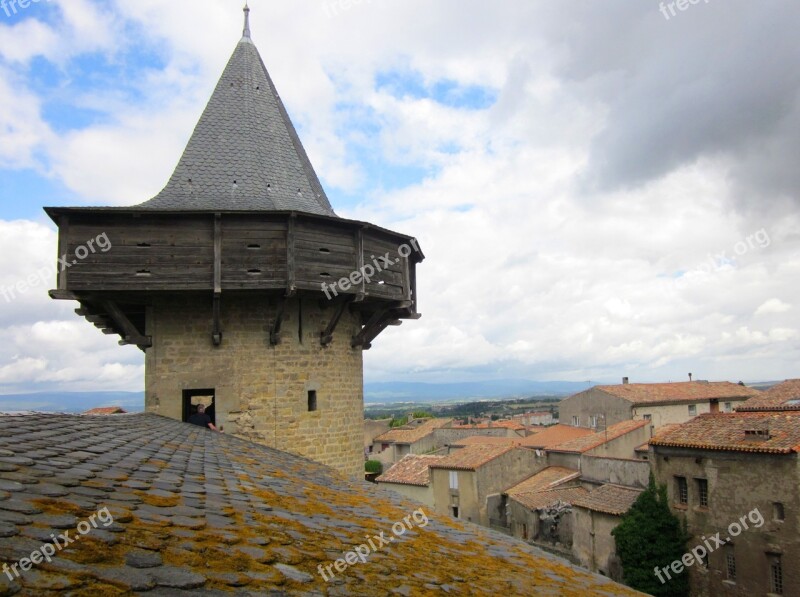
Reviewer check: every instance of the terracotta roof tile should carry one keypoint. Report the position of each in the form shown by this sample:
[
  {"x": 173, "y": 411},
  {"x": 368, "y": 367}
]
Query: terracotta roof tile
[
  {"x": 589, "y": 442},
  {"x": 538, "y": 500},
  {"x": 409, "y": 434},
  {"x": 552, "y": 436},
  {"x": 784, "y": 396},
  {"x": 657, "y": 393},
  {"x": 471, "y": 457},
  {"x": 486, "y": 440},
  {"x": 609, "y": 499},
  {"x": 738, "y": 432},
  {"x": 544, "y": 480},
  {"x": 412, "y": 469},
  {"x": 660, "y": 431},
  {"x": 106, "y": 410},
  {"x": 494, "y": 425}
]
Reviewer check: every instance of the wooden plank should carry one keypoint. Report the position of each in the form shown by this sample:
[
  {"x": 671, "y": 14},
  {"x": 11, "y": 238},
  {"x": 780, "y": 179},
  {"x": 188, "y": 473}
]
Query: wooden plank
[
  {"x": 360, "y": 262},
  {"x": 216, "y": 334},
  {"x": 326, "y": 336},
  {"x": 217, "y": 259},
  {"x": 290, "y": 257},
  {"x": 63, "y": 244}
]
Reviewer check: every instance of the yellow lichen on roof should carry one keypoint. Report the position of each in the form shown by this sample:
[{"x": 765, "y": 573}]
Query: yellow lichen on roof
[{"x": 223, "y": 513}]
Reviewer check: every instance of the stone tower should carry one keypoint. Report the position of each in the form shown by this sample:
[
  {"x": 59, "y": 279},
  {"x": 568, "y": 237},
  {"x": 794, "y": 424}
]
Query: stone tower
[{"x": 245, "y": 290}]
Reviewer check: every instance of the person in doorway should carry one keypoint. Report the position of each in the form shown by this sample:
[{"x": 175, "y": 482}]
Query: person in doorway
[{"x": 201, "y": 419}]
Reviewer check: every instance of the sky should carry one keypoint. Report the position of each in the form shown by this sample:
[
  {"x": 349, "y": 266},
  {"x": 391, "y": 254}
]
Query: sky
[{"x": 601, "y": 189}]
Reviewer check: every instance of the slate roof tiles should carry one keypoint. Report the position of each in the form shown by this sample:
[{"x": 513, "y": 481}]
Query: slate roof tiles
[{"x": 209, "y": 513}]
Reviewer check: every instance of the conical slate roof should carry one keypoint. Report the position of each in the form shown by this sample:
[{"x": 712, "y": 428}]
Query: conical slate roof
[{"x": 244, "y": 153}]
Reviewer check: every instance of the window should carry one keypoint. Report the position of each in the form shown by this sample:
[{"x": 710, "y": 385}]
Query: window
[
  {"x": 682, "y": 490},
  {"x": 778, "y": 512},
  {"x": 593, "y": 421},
  {"x": 454, "y": 480},
  {"x": 730, "y": 563},
  {"x": 455, "y": 511},
  {"x": 575, "y": 421},
  {"x": 775, "y": 574},
  {"x": 647, "y": 417},
  {"x": 702, "y": 492},
  {"x": 312, "y": 401},
  {"x": 692, "y": 410},
  {"x": 729, "y": 407}
]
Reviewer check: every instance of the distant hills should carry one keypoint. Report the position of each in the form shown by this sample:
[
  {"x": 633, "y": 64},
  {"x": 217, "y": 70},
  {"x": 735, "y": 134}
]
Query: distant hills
[
  {"x": 400, "y": 391},
  {"x": 374, "y": 393},
  {"x": 393, "y": 391},
  {"x": 71, "y": 402}
]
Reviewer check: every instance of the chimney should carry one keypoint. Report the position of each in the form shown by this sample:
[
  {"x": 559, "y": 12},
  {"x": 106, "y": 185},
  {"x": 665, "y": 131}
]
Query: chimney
[
  {"x": 690, "y": 377},
  {"x": 624, "y": 381}
]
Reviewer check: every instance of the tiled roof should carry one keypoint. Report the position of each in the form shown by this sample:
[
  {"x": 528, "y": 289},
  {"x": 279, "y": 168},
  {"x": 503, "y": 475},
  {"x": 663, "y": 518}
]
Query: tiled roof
[
  {"x": 106, "y": 410},
  {"x": 645, "y": 447},
  {"x": 212, "y": 514},
  {"x": 412, "y": 469},
  {"x": 471, "y": 457},
  {"x": 589, "y": 442},
  {"x": 784, "y": 396},
  {"x": 244, "y": 153},
  {"x": 544, "y": 480},
  {"x": 486, "y": 439},
  {"x": 688, "y": 391},
  {"x": 767, "y": 432},
  {"x": 411, "y": 434},
  {"x": 539, "y": 500},
  {"x": 513, "y": 425},
  {"x": 609, "y": 499},
  {"x": 553, "y": 436}
]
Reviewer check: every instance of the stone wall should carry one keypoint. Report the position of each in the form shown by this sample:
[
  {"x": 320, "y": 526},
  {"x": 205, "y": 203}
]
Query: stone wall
[
  {"x": 262, "y": 391},
  {"x": 743, "y": 488},
  {"x": 627, "y": 472},
  {"x": 593, "y": 544}
]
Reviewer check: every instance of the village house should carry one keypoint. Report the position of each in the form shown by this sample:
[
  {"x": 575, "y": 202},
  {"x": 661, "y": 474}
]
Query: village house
[
  {"x": 488, "y": 440},
  {"x": 464, "y": 479},
  {"x": 595, "y": 514},
  {"x": 519, "y": 509},
  {"x": 411, "y": 477},
  {"x": 553, "y": 436},
  {"x": 784, "y": 396},
  {"x": 659, "y": 403},
  {"x": 534, "y": 418},
  {"x": 372, "y": 429},
  {"x": 733, "y": 478},
  {"x": 415, "y": 438},
  {"x": 618, "y": 441}
]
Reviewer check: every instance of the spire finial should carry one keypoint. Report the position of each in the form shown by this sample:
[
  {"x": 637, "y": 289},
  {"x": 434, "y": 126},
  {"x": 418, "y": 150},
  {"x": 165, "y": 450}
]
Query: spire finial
[{"x": 246, "y": 32}]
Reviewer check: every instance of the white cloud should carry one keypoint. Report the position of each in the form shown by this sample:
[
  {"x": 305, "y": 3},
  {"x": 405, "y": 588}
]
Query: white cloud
[{"x": 533, "y": 268}]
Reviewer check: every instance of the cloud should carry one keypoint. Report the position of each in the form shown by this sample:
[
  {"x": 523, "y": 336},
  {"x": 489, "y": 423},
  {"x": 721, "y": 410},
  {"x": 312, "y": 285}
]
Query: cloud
[{"x": 580, "y": 223}]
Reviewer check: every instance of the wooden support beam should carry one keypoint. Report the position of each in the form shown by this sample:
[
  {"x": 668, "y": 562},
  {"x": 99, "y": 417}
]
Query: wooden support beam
[
  {"x": 63, "y": 249},
  {"x": 361, "y": 339},
  {"x": 362, "y": 293},
  {"x": 291, "y": 282},
  {"x": 131, "y": 335},
  {"x": 216, "y": 333},
  {"x": 63, "y": 295},
  {"x": 275, "y": 330},
  {"x": 326, "y": 336},
  {"x": 407, "y": 280},
  {"x": 217, "y": 254}
]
